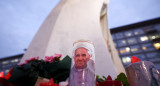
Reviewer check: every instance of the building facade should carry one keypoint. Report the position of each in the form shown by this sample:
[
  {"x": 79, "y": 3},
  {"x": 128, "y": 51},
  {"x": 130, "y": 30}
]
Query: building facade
[
  {"x": 8, "y": 62},
  {"x": 140, "y": 39}
]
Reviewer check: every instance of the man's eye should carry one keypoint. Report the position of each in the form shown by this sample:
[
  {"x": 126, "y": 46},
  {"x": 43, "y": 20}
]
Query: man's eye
[
  {"x": 77, "y": 55},
  {"x": 83, "y": 54}
]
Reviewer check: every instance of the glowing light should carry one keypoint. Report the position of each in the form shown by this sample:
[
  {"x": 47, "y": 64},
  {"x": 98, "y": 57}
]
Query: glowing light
[
  {"x": 153, "y": 37},
  {"x": 144, "y": 38},
  {"x": 123, "y": 41},
  {"x": 126, "y": 59},
  {"x": 134, "y": 49},
  {"x": 144, "y": 48},
  {"x": 127, "y": 49},
  {"x": 129, "y": 34},
  {"x": 1, "y": 75},
  {"x": 5, "y": 62},
  {"x": 156, "y": 45},
  {"x": 135, "y": 33}
]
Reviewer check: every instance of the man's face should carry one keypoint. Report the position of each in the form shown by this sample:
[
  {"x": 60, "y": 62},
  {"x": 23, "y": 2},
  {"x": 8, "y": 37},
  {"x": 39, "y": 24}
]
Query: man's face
[{"x": 81, "y": 58}]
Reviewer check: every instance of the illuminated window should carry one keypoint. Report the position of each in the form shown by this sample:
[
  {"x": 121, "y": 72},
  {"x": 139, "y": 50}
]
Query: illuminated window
[
  {"x": 135, "y": 49},
  {"x": 126, "y": 59},
  {"x": 128, "y": 33},
  {"x": 14, "y": 60},
  {"x": 121, "y": 42},
  {"x": 155, "y": 36},
  {"x": 157, "y": 45},
  {"x": 138, "y": 32},
  {"x": 144, "y": 48},
  {"x": 132, "y": 41},
  {"x": 144, "y": 38},
  {"x": 147, "y": 47},
  {"x": 125, "y": 50},
  {"x": 5, "y": 62}
]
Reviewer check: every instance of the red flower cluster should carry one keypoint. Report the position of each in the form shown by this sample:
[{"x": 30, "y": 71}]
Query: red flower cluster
[
  {"x": 52, "y": 58},
  {"x": 47, "y": 59}
]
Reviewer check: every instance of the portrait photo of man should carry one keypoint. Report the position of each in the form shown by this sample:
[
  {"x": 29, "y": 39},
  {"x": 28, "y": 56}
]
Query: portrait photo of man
[{"x": 83, "y": 69}]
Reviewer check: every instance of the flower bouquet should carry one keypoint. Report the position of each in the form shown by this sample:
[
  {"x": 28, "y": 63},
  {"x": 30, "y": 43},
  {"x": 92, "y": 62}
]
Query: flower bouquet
[
  {"x": 26, "y": 74},
  {"x": 121, "y": 80}
]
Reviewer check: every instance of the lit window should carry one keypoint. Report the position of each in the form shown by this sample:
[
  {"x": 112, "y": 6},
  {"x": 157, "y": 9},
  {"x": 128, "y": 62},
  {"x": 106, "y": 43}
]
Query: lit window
[
  {"x": 138, "y": 31},
  {"x": 144, "y": 38},
  {"x": 144, "y": 48},
  {"x": 132, "y": 41},
  {"x": 135, "y": 49},
  {"x": 155, "y": 36},
  {"x": 128, "y": 33},
  {"x": 126, "y": 59},
  {"x": 121, "y": 42},
  {"x": 148, "y": 47},
  {"x": 125, "y": 50},
  {"x": 14, "y": 60},
  {"x": 157, "y": 45},
  {"x": 5, "y": 62}
]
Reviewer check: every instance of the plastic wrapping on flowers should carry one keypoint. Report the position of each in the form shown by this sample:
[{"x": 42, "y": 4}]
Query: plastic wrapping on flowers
[{"x": 52, "y": 67}]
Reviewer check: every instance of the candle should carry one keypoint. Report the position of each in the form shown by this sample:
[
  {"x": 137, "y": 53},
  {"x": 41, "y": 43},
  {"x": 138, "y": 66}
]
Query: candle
[
  {"x": 1, "y": 74},
  {"x": 110, "y": 82},
  {"x": 142, "y": 73}
]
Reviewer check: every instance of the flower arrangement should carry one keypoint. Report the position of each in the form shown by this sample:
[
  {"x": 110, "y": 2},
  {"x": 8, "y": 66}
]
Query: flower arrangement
[
  {"x": 53, "y": 69},
  {"x": 26, "y": 74},
  {"x": 121, "y": 79}
]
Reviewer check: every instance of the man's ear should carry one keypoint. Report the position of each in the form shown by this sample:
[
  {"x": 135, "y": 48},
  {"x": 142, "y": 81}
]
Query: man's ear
[{"x": 88, "y": 57}]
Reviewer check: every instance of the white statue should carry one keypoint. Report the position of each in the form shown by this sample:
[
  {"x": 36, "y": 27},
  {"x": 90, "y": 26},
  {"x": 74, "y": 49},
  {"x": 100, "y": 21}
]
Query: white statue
[{"x": 72, "y": 20}]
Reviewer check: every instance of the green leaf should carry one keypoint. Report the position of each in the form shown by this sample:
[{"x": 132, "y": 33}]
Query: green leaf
[{"x": 122, "y": 77}]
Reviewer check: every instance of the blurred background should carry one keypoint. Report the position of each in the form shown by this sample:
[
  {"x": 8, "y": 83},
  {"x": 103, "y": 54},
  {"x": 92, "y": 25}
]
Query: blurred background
[{"x": 134, "y": 24}]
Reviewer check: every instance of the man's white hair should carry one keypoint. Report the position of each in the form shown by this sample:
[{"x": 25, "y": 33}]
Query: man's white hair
[{"x": 84, "y": 44}]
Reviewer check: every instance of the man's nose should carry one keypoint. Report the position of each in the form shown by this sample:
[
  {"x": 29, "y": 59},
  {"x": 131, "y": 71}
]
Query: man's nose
[{"x": 80, "y": 58}]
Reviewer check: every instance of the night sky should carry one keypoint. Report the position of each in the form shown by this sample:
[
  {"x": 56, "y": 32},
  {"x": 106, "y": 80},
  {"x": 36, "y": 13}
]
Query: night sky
[{"x": 20, "y": 19}]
